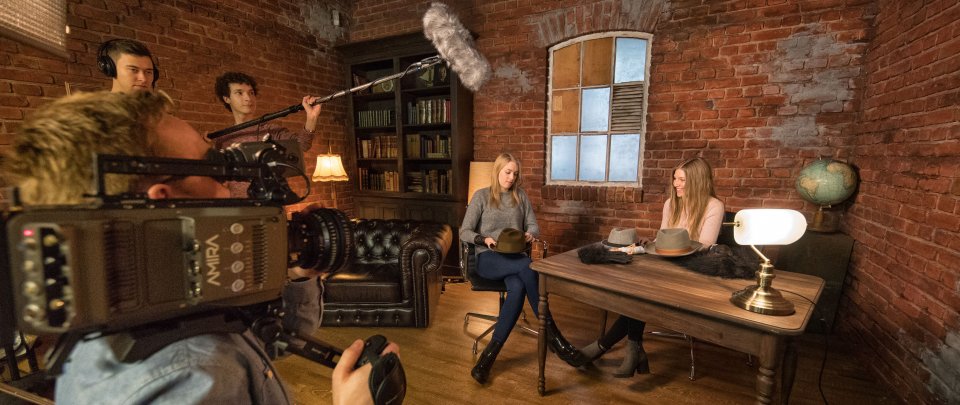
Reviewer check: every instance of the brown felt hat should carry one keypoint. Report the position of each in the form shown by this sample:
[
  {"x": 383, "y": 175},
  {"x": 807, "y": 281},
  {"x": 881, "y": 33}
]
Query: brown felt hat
[
  {"x": 510, "y": 241},
  {"x": 672, "y": 242}
]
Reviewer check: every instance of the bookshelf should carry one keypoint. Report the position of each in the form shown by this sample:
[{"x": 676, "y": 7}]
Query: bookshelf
[{"x": 412, "y": 138}]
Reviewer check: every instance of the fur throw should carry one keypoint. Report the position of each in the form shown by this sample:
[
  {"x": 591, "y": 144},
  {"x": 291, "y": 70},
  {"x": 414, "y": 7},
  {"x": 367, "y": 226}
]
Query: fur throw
[
  {"x": 723, "y": 261},
  {"x": 597, "y": 254}
]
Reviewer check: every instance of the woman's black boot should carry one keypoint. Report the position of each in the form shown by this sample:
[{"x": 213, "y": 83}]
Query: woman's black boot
[
  {"x": 481, "y": 371},
  {"x": 564, "y": 350},
  {"x": 593, "y": 351}
]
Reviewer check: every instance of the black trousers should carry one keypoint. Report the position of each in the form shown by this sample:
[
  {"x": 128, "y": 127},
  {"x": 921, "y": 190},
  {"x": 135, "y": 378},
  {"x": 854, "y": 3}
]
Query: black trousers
[{"x": 623, "y": 326}]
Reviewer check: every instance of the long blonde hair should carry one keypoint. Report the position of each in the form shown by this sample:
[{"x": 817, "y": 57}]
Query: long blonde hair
[
  {"x": 698, "y": 190},
  {"x": 495, "y": 188}
]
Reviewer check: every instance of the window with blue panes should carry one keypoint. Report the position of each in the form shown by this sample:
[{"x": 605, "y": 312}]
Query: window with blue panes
[{"x": 597, "y": 105}]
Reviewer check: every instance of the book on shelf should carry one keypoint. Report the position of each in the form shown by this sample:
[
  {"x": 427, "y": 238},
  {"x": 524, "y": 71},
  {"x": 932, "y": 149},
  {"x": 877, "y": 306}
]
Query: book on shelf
[
  {"x": 375, "y": 118},
  {"x": 432, "y": 146},
  {"x": 429, "y": 111},
  {"x": 378, "y": 147},
  {"x": 378, "y": 180},
  {"x": 434, "y": 181}
]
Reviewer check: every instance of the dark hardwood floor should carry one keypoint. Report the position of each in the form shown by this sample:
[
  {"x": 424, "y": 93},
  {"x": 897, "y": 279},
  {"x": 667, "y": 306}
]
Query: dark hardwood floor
[{"x": 437, "y": 361}]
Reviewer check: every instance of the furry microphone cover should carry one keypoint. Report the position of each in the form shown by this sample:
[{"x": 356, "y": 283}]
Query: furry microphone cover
[{"x": 455, "y": 45}]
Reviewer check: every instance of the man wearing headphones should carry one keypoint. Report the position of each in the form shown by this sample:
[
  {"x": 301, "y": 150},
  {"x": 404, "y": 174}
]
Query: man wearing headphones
[{"x": 129, "y": 63}]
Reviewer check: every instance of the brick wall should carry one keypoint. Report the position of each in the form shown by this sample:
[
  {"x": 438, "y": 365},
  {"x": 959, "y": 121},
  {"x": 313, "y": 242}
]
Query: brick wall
[
  {"x": 903, "y": 292},
  {"x": 760, "y": 89},
  {"x": 286, "y": 45},
  {"x": 757, "y": 90}
]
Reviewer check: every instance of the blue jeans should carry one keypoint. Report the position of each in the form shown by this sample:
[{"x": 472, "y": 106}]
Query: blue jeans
[{"x": 515, "y": 271}]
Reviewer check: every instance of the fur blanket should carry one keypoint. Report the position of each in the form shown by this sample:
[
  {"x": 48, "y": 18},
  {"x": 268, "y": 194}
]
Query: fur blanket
[{"x": 723, "y": 261}]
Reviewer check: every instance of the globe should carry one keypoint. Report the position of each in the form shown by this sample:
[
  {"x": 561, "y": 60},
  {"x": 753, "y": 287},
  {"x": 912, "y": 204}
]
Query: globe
[{"x": 826, "y": 182}]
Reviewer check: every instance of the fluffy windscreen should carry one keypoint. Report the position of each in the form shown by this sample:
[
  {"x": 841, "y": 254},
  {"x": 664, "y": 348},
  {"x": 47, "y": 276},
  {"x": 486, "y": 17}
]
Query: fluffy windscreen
[{"x": 455, "y": 45}]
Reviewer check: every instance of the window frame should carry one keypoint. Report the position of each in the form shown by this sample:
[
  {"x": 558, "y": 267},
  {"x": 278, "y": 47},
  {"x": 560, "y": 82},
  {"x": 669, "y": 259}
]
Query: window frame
[{"x": 609, "y": 132}]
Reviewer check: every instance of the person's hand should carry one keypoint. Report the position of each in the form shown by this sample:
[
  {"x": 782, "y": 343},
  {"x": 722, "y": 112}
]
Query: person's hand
[
  {"x": 490, "y": 242},
  {"x": 528, "y": 237},
  {"x": 313, "y": 113},
  {"x": 352, "y": 386}
]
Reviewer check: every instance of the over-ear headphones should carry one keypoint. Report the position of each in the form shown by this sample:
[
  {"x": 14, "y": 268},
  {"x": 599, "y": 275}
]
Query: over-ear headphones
[{"x": 109, "y": 68}]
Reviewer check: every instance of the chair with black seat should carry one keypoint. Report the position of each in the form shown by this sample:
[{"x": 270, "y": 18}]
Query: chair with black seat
[{"x": 468, "y": 269}]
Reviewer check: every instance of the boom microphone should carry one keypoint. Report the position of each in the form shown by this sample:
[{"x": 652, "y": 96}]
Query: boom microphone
[
  {"x": 455, "y": 45},
  {"x": 443, "y": 29}
]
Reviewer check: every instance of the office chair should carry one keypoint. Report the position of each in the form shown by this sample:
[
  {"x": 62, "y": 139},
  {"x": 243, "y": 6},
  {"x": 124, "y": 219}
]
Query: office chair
[{"x": 468, "y": 269}]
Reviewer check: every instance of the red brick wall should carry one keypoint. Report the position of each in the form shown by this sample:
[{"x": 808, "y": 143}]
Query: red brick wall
[
  {"x": 286, "y": 45},
  {"x": 760, "y": 89},
  {"x": 757, "y": 90},
  {"x": 903, "y": 294}
]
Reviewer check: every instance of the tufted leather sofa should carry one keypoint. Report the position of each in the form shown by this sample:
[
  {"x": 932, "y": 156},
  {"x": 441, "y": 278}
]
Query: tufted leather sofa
[{"x": 393, "y": 278}]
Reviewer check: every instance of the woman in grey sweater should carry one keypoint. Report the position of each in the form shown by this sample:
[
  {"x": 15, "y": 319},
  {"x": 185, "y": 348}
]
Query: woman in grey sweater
[{"x": 501, "y": 206}]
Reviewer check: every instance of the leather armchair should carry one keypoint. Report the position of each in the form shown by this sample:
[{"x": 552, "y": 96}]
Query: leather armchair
[{"x": 393, "y": 278}]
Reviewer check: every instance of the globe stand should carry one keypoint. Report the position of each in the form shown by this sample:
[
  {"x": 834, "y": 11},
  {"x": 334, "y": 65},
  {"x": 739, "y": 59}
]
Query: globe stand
[{"x": 825, "y": 221}]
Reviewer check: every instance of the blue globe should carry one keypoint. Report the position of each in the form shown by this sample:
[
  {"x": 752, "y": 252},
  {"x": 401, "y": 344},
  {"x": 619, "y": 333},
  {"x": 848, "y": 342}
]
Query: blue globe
[{"x": 826, "y": 182}]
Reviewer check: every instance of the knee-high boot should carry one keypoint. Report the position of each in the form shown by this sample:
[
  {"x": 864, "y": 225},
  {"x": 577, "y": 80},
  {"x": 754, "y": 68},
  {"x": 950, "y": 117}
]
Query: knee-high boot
[
  {"x": 481, "y": 371},
  {"x": 564, "y": 350}
]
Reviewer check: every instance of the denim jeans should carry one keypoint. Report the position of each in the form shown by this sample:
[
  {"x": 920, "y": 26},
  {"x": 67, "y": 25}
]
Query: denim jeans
[{"x": 515, "y": 271}]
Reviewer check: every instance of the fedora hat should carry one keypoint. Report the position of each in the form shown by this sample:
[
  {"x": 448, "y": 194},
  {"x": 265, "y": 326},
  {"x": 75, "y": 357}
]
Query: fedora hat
[
  {"x": 673, "y": 242},
  {"x": 510, "y": 241},
  {"x": 621, "y": 237}
]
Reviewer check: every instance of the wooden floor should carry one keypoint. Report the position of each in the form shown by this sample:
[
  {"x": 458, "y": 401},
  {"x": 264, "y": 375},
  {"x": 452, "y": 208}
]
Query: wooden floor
[{"x": 437, "y": 361}]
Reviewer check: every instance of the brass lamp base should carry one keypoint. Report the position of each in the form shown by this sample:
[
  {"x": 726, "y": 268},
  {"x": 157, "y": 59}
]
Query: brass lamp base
[
  {"x": 762, "y": 298},
  {"x": 767, "y": 301}
]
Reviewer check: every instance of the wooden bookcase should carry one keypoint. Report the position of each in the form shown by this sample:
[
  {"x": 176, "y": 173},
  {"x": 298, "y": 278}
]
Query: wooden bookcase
[{"x": 411, "y": 139}]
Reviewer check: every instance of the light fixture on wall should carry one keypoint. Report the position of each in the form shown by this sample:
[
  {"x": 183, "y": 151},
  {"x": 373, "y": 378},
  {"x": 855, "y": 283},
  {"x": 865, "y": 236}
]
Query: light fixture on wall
[
  {"x": 480, "y": 173},
  {"x": 766, "y": 227},
  {"x": 330, "y": 168}
]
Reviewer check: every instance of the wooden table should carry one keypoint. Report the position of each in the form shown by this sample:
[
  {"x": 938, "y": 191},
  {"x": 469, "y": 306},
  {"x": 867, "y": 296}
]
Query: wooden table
[{"x": 656, "y": 290}]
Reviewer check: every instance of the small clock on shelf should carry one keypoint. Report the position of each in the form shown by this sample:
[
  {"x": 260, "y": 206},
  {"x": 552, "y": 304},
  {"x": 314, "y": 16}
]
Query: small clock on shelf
[{"x": 384, "y": 87}]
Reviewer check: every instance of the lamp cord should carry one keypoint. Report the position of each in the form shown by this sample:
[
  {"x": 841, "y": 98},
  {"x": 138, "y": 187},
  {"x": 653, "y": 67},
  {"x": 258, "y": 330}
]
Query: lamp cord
[{"x": 826, "y": 342}]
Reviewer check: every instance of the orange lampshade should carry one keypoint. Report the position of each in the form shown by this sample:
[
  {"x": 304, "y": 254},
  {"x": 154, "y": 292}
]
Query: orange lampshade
[
  {"x": 329, "y": 168},
  {"x": 480, "y": 173}
]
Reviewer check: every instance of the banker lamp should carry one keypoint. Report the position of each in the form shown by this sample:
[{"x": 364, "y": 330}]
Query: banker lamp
[
  {"x": 330, "y": 168},
  {"x": 480, "y": 173},
  {"x": 766, "y": 227}
]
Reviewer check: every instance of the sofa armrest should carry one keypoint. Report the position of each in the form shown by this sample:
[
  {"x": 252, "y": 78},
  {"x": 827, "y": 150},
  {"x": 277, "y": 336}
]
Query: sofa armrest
[
  {"x": 426, "y": 249},
  {"x": 420, "y": 260}
]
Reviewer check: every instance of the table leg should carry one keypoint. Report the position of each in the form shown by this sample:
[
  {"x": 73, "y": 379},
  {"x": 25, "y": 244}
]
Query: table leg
[
  {"x": 542, "y": 336},
  {"x": 769, "y": 359},
  {"x": 789, "y": 371}
]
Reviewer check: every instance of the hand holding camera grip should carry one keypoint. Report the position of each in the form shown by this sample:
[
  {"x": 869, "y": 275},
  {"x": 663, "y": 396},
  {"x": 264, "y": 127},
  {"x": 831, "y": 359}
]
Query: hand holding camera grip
[{"x": 388, "y": 382}]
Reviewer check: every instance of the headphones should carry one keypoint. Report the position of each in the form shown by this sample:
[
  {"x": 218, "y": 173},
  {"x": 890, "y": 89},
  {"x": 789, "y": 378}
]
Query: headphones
[{"x": 109, "y": 68}]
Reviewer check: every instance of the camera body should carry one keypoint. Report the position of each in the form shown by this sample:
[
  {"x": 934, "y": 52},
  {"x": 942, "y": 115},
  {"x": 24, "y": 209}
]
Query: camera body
[
  {"x": 82, "y": 269},
  {"x": 122, "y": 261}
]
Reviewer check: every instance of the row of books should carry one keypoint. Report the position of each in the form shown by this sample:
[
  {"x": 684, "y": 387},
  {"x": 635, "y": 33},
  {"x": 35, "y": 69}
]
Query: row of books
[
  {"x": 378, "y": 146},
  {"x": 428, "y": 146},
  {"x": 430, "y": 181},
  {"x": 381, "y": 181},
  {"x": 375, "y": 118},
  {"x": 429, "y": 111}
]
